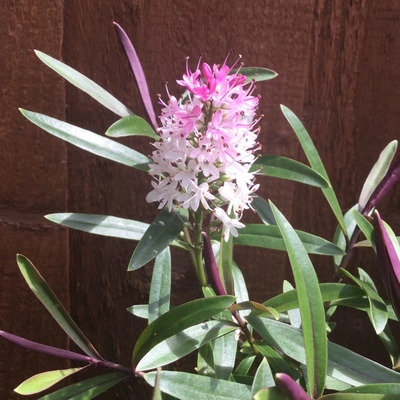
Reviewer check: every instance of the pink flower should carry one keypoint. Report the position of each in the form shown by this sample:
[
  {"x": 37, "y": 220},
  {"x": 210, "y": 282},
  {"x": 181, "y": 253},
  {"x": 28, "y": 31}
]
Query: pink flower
[{"x": 207, "y": 145}]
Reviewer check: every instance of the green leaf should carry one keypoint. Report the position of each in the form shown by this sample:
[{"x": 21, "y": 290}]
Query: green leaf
[
  {"x": 366, "y": 227},
  {"x": 359, "y": 396},
  {"x": 378, "y": 388},
  {"x": 257, "y": 73},
  {"x": 315, "y": 162},
  {"x": 87, "y": 389},
  {"x": 157, "y": 395},
  {"x": 253, "y": 305},
  {"x": 244, "y": 366},
  {"x": 224, "y": 355},
  {"x": 310, "y": 304},
  {"x": 377, "y": 312},
  {"x": 177, "y": 320},
  {"x": 160, "y": 288},
  {"x": 263, "y": 210},
  {"x": 186, "y": 386},
  {"x": 183, "y": 343},
  {"x": 85, "y": 84},
  {"x": 339, "y": 238},
  {"x": 161, "y": 232},
  {"x": 42, "y": 291},
  {"x": 139, "y": 310},
  {"x": 38, "y": 383},
  {"x": 225, "y": 263},
  {"x": 263, "y": 377},
  {"x": 274, "y": 358},
  {"x": 205, "y": 360},
  {"x": 286, "y": 168},
  {"x": 269, "y": 237},
  {"x": 104, "y": 225},
  {"x": 377, "y": 173},
  {"x": 343, "y": 364},
  {"x": 89, "y": 141},
  {"x": 270, "y": 394},
  {"x": 329, "y": 292},
  {"x": 131, "y": 126}
]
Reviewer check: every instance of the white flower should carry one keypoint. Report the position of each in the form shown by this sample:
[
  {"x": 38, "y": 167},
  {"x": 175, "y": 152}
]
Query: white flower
[{"x": 230, "y": 224}]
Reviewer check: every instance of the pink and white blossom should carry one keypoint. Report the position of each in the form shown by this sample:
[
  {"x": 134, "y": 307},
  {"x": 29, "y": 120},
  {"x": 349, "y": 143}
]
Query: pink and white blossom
[{"x": 207, "y": 145}]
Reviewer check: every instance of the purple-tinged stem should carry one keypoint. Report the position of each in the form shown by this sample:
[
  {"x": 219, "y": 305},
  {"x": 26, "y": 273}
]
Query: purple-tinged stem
[
  {"x": 389, "y": 263},
  {"x": 42, "y": 348},
  {"x": 391, "y": 177},
  {"x": 290, "y": 388},
  {"x": 138, "y": 73},
  {"x": 211, "y": 267}
]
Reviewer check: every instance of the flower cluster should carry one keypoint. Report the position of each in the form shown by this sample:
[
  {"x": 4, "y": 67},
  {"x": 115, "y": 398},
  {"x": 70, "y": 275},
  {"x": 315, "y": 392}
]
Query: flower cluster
[{"x": 208, "y": 141}]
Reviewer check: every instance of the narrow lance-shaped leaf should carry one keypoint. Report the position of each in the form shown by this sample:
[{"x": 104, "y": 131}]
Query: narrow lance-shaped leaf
[
  {"x": 161, "y": 232},
  {"x": 138, "y": 73},
  {"x": 270, "y": 237},
  {"x": 263, "y": 377},
  {"x": 377, "y": 173},
  {"x": 377, "y": 312},
  {"x": 389, "y": 262},
  {"x": 185, "y": 386},
  {"x": 43, "y": 381},
  {"x": 87, "y": 389},
  {"x": 160, "y": 288},
  {"x": 183, "y": 343},
  {"x": 43, "y": 292},
  {"x": 315, "y": 162},
  {"x": 286, "y": 168},
  {"x": 85, "y": 84},
  {"x": 343, "y": 364},
  {"x": 89, "y": 141},
  {"x": 178, "y": 319},
  {"x": 257, "y": 74},
  {"x": 132, "y": 125},
  {"x": 310, "y": 304}
]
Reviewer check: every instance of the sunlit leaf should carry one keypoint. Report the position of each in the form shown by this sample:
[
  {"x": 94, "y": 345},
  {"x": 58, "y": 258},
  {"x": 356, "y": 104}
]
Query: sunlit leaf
[
  {"x": 329, "y": 292},
  {"x": 177, "y": 320},
  {"x": 186, "y": 386},
  {"x": 160, "y": 288},
  {"x": 89, "y": 141},
  {"x": 161, "y": 232},
  {"x": 139, "y": 310},
  {"x": 257, "y": 73},
  {"x": 44, "y": 380},
  {"x": 269, "y": 237},
  {"x": 343, "y": 364},
  {"x": 43, "y": 292},
  {"x": 377, "y": 173},
  {"x": 87, "y": 389},
  {"x": 224, "y": 349},
  {"x": 263, "y": 377},
  {"x": 270, "y": 394},
  {"x": 104, "y": 225},
  {"x": 85, "y": 84},
  {"x": 286, "y": 168},
  {"x": 183, "y": 343},
  {"x": 310, "y": 304},
  {"x": 132, "y": 125},
  {"x": 315, "y": 162}
]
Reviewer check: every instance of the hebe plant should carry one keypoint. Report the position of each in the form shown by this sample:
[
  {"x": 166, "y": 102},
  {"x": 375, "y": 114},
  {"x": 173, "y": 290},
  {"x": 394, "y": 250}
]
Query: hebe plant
[{"x": 203, "y": 164}]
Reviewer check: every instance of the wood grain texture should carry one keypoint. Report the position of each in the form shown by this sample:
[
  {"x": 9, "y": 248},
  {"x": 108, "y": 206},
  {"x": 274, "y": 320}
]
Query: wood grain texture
[{"x": 338, "y": 65}]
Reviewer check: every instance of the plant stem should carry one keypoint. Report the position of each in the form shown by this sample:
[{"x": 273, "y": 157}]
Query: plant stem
[{"x": 198, "y": 244}]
